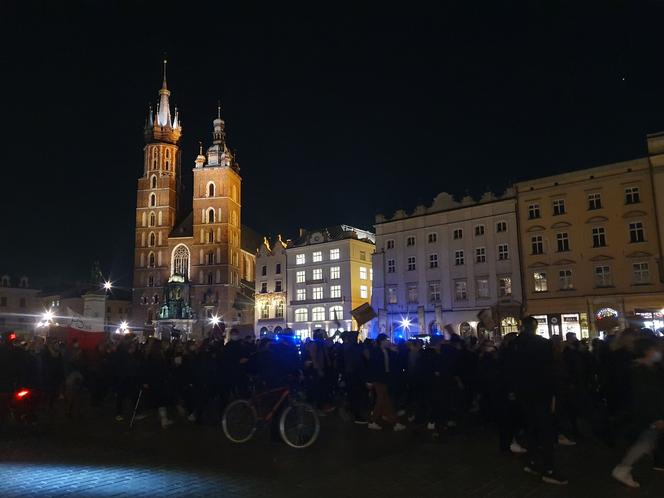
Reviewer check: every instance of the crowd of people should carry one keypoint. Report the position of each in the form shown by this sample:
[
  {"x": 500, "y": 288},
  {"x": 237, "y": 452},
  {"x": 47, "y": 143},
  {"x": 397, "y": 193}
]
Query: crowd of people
[{"x": 538, "y": 392}]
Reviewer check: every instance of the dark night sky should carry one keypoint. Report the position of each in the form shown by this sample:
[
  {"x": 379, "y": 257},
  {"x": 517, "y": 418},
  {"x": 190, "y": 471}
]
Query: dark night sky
[{"x": 336, "y": 113}]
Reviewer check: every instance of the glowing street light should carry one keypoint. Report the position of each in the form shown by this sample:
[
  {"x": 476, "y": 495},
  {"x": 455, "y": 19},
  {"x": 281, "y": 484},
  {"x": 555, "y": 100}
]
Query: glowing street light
[
  {"x": 124, "y": 327},
  {"x": 405, "y": 323},
  {"x": 108, "y": 285},
  {"x": 214, "y": 320},
  {"x": 47, "y": 316}
]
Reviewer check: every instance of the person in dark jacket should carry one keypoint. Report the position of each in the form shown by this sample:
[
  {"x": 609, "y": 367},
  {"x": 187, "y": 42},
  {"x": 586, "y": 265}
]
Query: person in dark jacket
[
  {"x": 647, "y": 408},
  {"x": 382, "y": 365},
  {"x": 533, "y": 380}
]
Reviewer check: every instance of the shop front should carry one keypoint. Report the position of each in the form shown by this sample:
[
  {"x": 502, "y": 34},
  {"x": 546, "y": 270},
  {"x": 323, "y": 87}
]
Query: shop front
[{"x": 563, "y": 323}]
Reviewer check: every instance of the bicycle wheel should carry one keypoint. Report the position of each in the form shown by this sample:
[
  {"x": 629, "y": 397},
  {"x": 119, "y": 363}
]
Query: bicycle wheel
[
  {"x": 239, "y": 421},
  {"x": 299, "y": 425}
]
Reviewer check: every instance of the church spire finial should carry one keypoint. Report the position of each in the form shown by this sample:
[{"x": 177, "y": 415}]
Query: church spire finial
[
  {"x": 163, "y": 85},
  {"x": 218, "y": 109}
]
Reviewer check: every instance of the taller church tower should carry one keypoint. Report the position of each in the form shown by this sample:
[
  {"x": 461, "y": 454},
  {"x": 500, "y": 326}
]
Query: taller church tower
[{"x": 156, "y": 207}]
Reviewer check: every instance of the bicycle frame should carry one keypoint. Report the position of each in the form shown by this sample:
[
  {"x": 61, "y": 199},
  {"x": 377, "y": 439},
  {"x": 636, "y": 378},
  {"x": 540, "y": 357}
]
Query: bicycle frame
[{"x": 285, "y": 391}]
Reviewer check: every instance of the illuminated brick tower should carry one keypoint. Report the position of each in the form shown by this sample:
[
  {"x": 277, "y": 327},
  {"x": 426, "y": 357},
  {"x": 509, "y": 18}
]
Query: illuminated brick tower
[
  {"x": 156, "y": 206},
  {"x": 190, "y": 268}
]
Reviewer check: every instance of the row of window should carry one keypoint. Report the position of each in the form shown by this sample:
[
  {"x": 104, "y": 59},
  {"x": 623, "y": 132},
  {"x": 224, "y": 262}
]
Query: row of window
[
  {"x": 636, "y": 234},
  {"x": 460, "y": 290},
  {"x": 278, "y": 310},
  {"x": 317, "y": 293},
  {"x": 22, "y": 302},
  {"x": 277, "y": 287},
  {"x": 457, "y": 233},
  {"x": 502, "y": 254},
  {"x": 317, "y": 256},
  {"x": 318, "y": 314},
  {"x": 602, "y": 277},
  {"x": 594, "y": 199},
  {"x": 277, "y": 270}
]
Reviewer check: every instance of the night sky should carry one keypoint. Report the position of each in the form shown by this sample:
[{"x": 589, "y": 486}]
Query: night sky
[{"x": 336, "y": 113}]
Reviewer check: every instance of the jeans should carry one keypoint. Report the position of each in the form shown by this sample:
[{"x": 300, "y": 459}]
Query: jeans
[
  {"x": 644, "y": 445},
  {"x": 539, "y": 432}
]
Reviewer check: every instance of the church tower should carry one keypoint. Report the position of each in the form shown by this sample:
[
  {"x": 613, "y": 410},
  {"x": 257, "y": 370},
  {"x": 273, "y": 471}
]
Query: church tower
[
  {"x": 156, "y": 206},
  {"x": 217, "y": 253}
]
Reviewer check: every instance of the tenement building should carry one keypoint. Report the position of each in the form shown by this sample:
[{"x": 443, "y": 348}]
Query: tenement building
[
  {"x": 450, "y": 264},
  {"x": 270, "y": 292},
  {"x": 19, "y": 305},
  {"x": 590, "y": 249},
  {"x": 190, "y": 264},
  {"x": 323, "y": 275}
]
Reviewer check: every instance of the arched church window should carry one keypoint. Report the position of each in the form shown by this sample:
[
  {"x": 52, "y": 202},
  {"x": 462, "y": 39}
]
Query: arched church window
[
  {"x": 153, "y": 200},
  {"x": 153, "y": 219},
  {"x": 180, "y": 261},
  {"x": 152, "y": 241},
  {"x": 210, "y": 215},
  {"x": 211, "y": 189},
  {"x": 153, "y": 181},
  {"x": 234, "y": 218},
  {"x": 151, "y": 260},
  {"x": 210, "y": 279},
  {"x": 168, "y": 153},
  {"x": 210, "y": 258},
  {"x": 168, "y": 165},
  {"x": 210, "y": 237}
]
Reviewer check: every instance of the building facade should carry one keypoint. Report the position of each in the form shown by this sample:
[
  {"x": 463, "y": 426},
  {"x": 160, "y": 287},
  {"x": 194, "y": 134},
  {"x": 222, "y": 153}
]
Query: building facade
[
  {"x": 271, "y": 287},
  {"x": 189, "y": 266},
  {"x": 446, "y": 264},
  {"x": 19, "y": 305},
  {"x": 328, "y": 274},
  {"x": 591, "y": 248}
]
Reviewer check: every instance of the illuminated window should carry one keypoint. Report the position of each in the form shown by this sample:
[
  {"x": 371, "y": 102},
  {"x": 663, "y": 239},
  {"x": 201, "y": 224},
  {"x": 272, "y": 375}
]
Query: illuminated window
[
  {"x": 265, "y": 311},
  {"x": 335, "y": 291},
  {"x": 541, "y": 282},
  {"x": 641, "y": 273},
  {"x": 301, "y": 315},
  {"x": 279, "y": 310},
  {"x": 317, "y": 293},
  {"x": 505, "y": 286},
  {"x": 300, "y": 277},
  {"x": 317, "y": 274},
  {"x": 363, "y": 273},
  {"x": 336, "y": 312},
  {"x": 301, "y": 295},
  {"x": 335, "y": 272},
  {"x": 334, "y": 253},
  {"x": 364, "y": 292},
  {"x": 317, "y": 257},
  {"x": 300, "y": 259},
  {"x": 318, "y": 314}
]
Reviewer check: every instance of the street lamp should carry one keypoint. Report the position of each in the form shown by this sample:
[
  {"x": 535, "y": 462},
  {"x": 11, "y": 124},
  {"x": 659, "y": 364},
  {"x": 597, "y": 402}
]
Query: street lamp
[
  {"x": 124, "y": 327},
  {"x": 108, "y": 285}
]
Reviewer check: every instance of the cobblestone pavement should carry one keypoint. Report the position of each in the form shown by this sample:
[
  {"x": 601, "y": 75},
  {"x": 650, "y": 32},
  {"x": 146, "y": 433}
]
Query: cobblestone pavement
[{"x": 98, "y": 457}]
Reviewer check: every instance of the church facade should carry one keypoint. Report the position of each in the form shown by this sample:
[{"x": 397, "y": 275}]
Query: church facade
[{"x": 190, "y": 265}]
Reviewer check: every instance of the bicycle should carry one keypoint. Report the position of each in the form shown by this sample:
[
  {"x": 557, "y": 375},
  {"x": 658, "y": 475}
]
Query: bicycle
[{"x": 299, "y": 425}]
